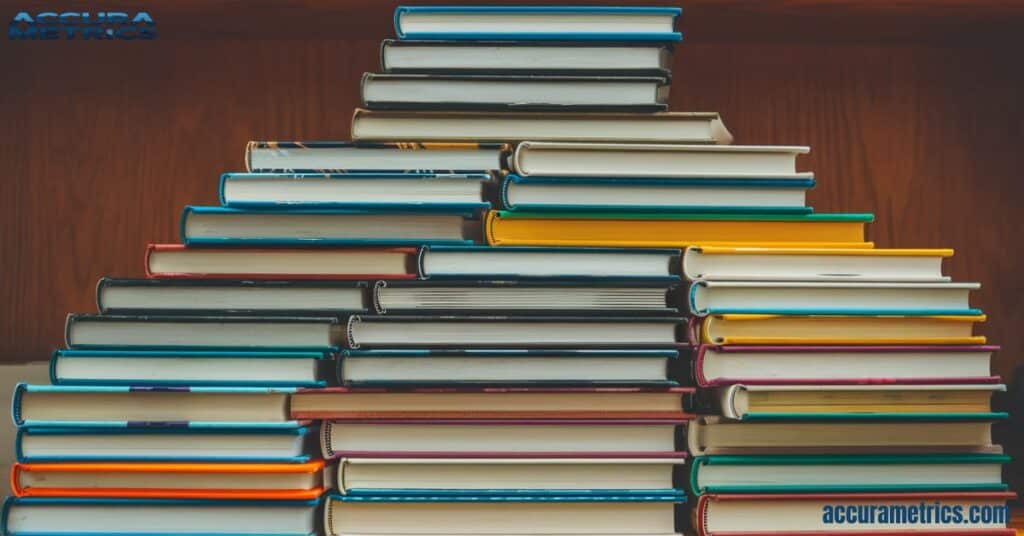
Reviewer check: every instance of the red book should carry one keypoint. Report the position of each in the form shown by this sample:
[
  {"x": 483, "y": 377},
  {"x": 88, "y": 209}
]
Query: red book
[{"x": 178, "y": 261}]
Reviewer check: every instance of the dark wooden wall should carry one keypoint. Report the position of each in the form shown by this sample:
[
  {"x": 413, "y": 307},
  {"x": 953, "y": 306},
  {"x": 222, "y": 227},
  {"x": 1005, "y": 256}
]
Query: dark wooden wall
[{"x": 102, "y": 143}]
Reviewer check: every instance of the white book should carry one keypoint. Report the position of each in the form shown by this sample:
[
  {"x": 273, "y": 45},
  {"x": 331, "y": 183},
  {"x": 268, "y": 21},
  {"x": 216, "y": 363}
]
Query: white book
[
  {"x": 813, "y": 264},
  {"x": 793, "y": 297},
  {"x": 663, "y": 127},
  {"x": 544, "y": 158},
  {"x": 361, "y": 475},
  {"x": 483, "y": 262},
  {"x": 342, "y": 157}
]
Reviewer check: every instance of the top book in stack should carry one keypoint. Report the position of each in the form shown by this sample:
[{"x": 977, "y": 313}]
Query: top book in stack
[{"x": 503, "y": 74}]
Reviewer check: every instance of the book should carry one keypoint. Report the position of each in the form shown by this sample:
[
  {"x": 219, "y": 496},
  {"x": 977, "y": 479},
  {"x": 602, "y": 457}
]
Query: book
[
  {"x": 348, "y": 157},
  {"x": 768, "y": 329},
  {"x": 167, "y": 261},
  {"x": 513, "y": 263},
  {"x": 509, "y": 331},
  {"x": 362, "y": 191},
  {"x": 232, "y": 442},
  {"x": 498, "y": 403},
  {"x": 497, "y": 476},
  {"x": 234, "y": 297},
  {"x": 223, "y": 368},
  {"x": 113, "y": 407},
  {"x": 515, "y": 228},
  {"x": 857, "y": 402},
  {"x": 506, "y": 367},
  {"x": 708, "y": 435},
  {"x": 656, "y": 195},
  {"x": 90, "y": 516},
  {"x": 884, "y": 513},
  {"x": 502, "y": 127},
  {"x": 170, "y": 480},
  {"x": 220, "y": 226},
  {"x": 545, "y": 514},
  {"x": 832, "y": 364},
  {"x": 84, "y": 331},
  {"x": 533, "y": 23},
  {"x": 657, "y": 160},
  {"x": 530, "y": 298},
  {"x": 849, "y": 473},
  {"x": 513, "y": 92},
  {"x": 831, "y": 298},
  {"x": 525, "y": 57},
  {"x": 714, "y": 263},
  {"x": 488, "y": 438}
]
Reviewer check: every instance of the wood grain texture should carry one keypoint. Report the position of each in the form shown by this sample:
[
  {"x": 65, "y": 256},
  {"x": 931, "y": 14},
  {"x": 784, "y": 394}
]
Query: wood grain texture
[{"x": 103, "y": 143}]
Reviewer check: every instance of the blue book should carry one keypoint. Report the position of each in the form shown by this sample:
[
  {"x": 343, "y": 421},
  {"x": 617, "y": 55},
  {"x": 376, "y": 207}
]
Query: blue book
[
  {"x": 201, "y": 368},
  {"x": 538, "y": 23},
  {"x": 657, "y": 195},
  {"x": 239, "y": 442},
  {"x": 46, "y": 516},
  {"x": 363, "y": 191},
  {"x": 81, "y": 406},
  {"x": 521, "y": 367},
  {"x": 221, "y": 226}
]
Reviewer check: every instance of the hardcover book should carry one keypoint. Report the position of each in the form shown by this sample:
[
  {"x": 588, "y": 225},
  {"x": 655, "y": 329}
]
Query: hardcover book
[{"x": 348, "y": 157}]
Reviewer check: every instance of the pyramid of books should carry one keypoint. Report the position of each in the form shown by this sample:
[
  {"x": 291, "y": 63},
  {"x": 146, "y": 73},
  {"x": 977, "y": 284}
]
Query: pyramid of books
[{"x": 470, "y": 320}]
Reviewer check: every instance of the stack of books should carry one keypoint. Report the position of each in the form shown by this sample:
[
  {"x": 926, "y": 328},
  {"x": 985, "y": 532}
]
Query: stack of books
[
  {"x": 469, "y": 319},
  {"x": 848, "y": 390}
]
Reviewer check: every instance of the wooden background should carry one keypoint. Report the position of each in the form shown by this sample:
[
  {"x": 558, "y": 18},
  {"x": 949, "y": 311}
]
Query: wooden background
[{"x": 912, "y": 109}]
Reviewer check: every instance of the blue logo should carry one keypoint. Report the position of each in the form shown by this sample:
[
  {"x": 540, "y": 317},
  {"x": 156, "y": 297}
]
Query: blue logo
[{"x": 74, "y": 25}]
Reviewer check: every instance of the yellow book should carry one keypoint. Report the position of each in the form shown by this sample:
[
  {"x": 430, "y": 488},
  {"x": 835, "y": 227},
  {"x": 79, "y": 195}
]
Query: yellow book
[
  {"x": 812, "y": 330},
  {"x": 718, "y": 263},
  {"x": 507, "y": 228}
]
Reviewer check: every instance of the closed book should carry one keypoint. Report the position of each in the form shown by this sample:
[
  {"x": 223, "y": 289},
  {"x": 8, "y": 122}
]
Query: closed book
[
  {"x": 514, "y": 228},
  {"x": 538, "y": 23},
  {"x": 446, "y": 476},
  {"x": 163, "y": 480},
  {"x": 539, "y": 263},
  {"x": 349, "y": 157},
  {"x": 775, "y": 329},
  {"x": 526, "y": 367},
  {"x": 503, "y": 438},
  {"x": 726, "y": 196},
  {"x": 525, "y": 57},
  {"x": 109, "y": 406},
  {"x": 663, "y": 160},
  {"x": 507, "y": 127},
  {"x": 835, "y": 364},
  {"x": 536, "y": 298},
  {"x": 409, "y": 331},
  {"x": 234, "y": 297},
  {"x": 219, "y": 226},
  {"x": 943, "y": 402},
  {"x": 364, "y": 190},
  {"x": 230, "y": 442},
  {"x": 851, "y": 473},
  {"x": 191, "y": 332},
  {"x": 884, "y": 513},
  {"x": 716, "y": 263},
  {"x": 34, "y": 516},
  {"x": 503, "y": 514},
  {"x": 497, "y": 403},
  {"x": 708, "y": 435},
  {"x": 173, "y": 261},
  {"x": 212, "y": 368},
  {"x": 831, "y": 298}
]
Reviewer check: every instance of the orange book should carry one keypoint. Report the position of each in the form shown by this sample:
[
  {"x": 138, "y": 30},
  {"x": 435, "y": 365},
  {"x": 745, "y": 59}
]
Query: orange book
[{"x": 284, "y": 481}]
